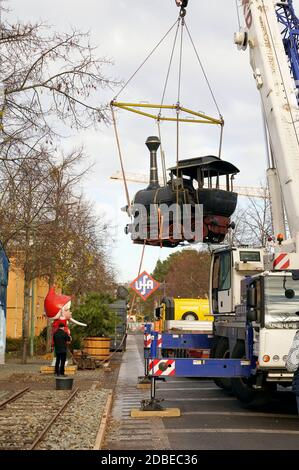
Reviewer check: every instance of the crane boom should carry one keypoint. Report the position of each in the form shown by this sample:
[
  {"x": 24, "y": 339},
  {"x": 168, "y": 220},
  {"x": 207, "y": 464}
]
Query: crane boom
[{"x": 271, "y": 35}]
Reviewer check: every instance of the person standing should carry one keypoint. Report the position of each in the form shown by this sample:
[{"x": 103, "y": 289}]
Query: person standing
[
  {"x": 61, "y": 339},
  {"x": 292, "y": 365}
]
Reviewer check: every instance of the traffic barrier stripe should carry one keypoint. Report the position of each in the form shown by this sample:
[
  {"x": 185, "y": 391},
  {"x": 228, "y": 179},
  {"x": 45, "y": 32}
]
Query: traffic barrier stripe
[
  {"x": 147, "y": 341},
  {"x": 161, "y": 368},
  {"x": 282, "y": 261}
]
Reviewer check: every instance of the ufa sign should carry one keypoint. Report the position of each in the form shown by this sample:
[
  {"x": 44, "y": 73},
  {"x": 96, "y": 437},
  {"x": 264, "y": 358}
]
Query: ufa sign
[{"x": 144, "y": 285}]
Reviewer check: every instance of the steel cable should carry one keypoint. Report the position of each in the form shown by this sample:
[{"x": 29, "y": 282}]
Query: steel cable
[{"x": 145, "y": 60}]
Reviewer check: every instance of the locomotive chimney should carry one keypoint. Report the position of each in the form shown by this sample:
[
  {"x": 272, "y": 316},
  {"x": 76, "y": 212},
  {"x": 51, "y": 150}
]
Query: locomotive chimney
[{"x": 153, "y": 143}]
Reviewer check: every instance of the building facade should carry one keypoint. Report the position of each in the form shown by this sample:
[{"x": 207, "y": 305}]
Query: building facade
[{"x": 15, "y": 303}]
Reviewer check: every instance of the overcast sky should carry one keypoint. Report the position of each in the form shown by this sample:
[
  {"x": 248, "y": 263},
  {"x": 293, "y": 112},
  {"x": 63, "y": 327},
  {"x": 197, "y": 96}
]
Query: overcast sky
[{"x": 125, "y": 31}]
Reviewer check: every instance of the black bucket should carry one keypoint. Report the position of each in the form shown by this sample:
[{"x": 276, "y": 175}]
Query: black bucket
[{"x": 64, "y": 383}]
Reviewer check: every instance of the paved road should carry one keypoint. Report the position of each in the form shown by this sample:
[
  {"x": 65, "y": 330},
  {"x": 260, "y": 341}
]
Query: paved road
[{"x": 211, "y": 419}]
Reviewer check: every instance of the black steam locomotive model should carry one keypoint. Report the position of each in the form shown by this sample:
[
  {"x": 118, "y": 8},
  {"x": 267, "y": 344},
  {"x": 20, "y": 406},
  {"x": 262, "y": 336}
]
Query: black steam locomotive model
[{"x": 162, "y": 213}]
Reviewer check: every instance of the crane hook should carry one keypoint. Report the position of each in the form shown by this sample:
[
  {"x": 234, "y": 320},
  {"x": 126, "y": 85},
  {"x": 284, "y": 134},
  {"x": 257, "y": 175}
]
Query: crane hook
[{"x": 183, "y": 5}]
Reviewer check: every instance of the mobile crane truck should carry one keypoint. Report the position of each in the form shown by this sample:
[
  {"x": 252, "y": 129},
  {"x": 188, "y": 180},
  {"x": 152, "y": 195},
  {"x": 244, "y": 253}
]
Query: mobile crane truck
[{"x": 254, "y": 295}]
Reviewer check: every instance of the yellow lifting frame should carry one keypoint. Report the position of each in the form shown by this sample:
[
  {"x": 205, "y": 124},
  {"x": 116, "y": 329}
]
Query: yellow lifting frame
[{"x": 132, "y": 108}]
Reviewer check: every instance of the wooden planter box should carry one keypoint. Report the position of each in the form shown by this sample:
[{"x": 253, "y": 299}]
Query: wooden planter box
[{"x": 97, "y": 347}]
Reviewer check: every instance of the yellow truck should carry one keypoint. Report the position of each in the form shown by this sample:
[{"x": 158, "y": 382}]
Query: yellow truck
[{"x": 176, "y": 309}]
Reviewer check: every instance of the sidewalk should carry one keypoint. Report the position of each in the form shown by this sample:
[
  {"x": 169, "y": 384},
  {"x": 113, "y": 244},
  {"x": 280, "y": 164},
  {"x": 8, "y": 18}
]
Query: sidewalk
[{"x": 124, "y": 432}]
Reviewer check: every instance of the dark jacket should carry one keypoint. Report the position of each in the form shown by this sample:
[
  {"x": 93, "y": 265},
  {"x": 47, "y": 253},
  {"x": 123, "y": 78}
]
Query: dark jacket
[
  {"x": 60, "y": 341},
  {"x": 296, "y": 383},
  {"x": 292, "y": 363}
]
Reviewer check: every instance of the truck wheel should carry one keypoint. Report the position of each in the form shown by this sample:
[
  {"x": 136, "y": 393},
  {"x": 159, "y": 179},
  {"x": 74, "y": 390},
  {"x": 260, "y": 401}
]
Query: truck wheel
[
  {"x": 222, "y": 352},
  {"x": 190, "y": 316},
  {"x": 242, "y": 388}
]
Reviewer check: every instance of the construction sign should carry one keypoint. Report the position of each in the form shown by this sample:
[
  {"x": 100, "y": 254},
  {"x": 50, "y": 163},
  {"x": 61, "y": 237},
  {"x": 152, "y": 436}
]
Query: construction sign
[{"x": 145, "y": 285}]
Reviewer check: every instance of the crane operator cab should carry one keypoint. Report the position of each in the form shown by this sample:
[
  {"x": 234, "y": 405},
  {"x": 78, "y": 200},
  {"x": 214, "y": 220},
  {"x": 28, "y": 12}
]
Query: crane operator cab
[{"x": 194, "y": 199}]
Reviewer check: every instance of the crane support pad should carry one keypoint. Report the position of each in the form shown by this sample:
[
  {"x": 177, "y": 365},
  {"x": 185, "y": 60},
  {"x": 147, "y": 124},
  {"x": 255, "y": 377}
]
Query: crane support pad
[
  {"x": 166, "y": 413},
  {"x": 199, "y": 367}
]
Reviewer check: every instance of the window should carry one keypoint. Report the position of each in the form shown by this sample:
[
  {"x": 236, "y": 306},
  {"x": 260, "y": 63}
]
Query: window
[
  {"x": 280, "y": 311},
  {"x": 225, "y": 271},
  {"x": 216, "y": 268},
  {"x": 222, "y": 272},
  {"x": 250, "y": 256},
  {"x": 3, "y": 273}
]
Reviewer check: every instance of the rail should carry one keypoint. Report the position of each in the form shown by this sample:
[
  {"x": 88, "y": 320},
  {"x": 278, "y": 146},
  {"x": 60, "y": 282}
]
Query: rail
[
  {"x": 14, "y": 397},
  {"x": 52, "y": 421}
]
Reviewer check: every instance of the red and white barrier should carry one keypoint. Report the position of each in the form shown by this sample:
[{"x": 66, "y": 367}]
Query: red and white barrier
[{"x": 159, "y": 367}]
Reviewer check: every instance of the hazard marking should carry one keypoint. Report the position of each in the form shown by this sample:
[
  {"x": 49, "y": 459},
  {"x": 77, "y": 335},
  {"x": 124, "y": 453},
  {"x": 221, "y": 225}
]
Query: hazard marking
[
  {"x": 161, "y": 368},
  {"x": 147, "y": 341},
  {"x": 282, "y": 262}
]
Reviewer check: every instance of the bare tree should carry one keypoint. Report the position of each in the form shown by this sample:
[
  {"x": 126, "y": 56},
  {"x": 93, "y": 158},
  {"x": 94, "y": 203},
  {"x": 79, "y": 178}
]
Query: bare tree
[
  {"x": 51, "y": 231},
  {"x": 23, "y": 207},
  {"x": 50, "y": 80},
  {"x": 253, "y": 222},
  {"x": 24, "y": 197},
  {"x": 87, "y": 267}
]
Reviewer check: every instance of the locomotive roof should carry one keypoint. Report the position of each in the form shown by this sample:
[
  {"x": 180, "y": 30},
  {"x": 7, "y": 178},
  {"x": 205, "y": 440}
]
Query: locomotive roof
[{"x": 210, "y": 165}]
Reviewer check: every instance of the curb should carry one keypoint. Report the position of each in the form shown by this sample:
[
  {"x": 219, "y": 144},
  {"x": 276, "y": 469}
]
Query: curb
[{"x": 104, "y": 420}]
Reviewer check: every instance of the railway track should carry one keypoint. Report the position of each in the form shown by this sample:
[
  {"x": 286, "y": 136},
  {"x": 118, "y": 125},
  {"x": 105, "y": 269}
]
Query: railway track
[{"x": 26, "y": 416}]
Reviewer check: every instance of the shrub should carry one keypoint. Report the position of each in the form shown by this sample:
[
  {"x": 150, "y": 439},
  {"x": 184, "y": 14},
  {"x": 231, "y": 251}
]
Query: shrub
[
  {"x": 40, "y": 345},
  {"x": 13, "y": 344},
  {"x": 95, "y": 312}
]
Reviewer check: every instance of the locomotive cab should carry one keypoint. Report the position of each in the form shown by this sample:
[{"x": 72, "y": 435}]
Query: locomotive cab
[{"x": 219, "y": 201}]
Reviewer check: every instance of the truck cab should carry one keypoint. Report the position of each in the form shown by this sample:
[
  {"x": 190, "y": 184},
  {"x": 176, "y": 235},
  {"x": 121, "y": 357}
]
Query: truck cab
[
  {"x": 271, "y": 302},
  {"x": 228, "y": 267},
  {"x": 256, "y": 316}
]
